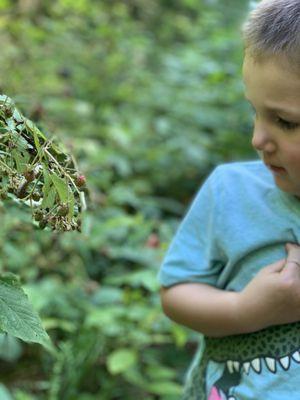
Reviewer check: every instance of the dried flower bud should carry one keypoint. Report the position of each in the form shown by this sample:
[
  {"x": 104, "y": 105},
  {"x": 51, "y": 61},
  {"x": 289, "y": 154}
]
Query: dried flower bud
[
  {"x": 38, "y": 215},
  {"x": 8, "y": 111},
  {"x": 43, "y": 223},
  {"x": 3, "y": 195},
  {"x": 36, "y": 196},
  {"x": 21, "y": 192},
  {"x": 29, "y": 175},
  {"x": 63, "y": 210}
]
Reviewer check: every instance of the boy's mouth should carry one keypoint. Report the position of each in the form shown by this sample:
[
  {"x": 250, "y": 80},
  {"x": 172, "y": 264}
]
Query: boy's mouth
[{"x": 276, "y": 169}]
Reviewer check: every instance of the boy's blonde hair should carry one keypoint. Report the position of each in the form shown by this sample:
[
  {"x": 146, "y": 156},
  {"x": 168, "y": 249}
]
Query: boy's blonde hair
[{"x": 273, "y": 28}]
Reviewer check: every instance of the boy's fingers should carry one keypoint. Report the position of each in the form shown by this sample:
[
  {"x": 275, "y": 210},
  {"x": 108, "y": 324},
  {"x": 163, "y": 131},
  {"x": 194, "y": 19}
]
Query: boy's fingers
[
  {"x": 276, "y": 266},
  {"x": 293, "y": 253},
  {"x": 291, "y": 246}
]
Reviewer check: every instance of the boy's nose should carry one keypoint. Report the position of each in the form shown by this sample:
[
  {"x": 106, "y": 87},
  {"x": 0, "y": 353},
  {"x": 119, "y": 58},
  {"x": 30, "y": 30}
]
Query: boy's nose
[{"x": 262, "y": 140}]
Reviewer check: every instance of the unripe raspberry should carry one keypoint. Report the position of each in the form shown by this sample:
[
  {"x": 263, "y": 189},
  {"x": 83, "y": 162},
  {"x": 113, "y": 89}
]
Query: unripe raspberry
[
  {"x": 80, "y": 180},
  {"x": 153, "y": 241}
]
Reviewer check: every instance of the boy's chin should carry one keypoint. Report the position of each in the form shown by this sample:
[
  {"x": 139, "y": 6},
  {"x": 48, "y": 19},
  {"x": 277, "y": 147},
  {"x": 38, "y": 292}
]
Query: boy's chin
[{"x": 286, "y": 186}]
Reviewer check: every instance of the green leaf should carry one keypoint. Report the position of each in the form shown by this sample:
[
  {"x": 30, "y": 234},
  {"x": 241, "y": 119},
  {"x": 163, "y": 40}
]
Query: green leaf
[
  {"x": 164, "y": 388},
  {"x": 10, "y": 348},
  {"x": 49, "y": 200},
  {"x": 11, "y": 279},
  {"x": 71, "y": 204},
  {"x": 20, "y": 161},
  {"x": 47, "y": 181},
  {"x": 36, "y": 141},
  {"x": 120, "y": 360},
  {"x": 61, "y": 187},
  {"x": 4, "y": 393},
  {"x": 17, "y": 316},
  {"x": 20, "y": 142},
  {"x": 159, "y": 372}
]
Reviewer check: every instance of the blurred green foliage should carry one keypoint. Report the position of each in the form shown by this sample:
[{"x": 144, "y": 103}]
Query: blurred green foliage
[{"x": 148, "y": 96}]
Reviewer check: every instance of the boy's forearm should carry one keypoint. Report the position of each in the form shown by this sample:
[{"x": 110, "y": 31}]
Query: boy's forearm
[{"x": 205, "y": 309}]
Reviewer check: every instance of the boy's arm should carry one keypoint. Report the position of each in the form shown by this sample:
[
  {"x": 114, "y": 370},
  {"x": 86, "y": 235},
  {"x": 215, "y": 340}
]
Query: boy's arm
[
  {"x": 202, "y": 308},
  {"x": 272, "y": 297}
]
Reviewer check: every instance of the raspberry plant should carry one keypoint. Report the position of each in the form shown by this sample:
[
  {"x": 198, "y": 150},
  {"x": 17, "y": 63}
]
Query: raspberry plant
[{"x": 37, "y": 172}]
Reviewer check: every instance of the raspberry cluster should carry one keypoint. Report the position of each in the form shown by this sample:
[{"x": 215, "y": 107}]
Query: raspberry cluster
[{"x": 38, "y": 172}]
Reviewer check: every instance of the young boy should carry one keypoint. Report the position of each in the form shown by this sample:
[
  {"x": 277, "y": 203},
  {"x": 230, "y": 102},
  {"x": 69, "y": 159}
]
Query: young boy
[{"x": 232, "y": 271}]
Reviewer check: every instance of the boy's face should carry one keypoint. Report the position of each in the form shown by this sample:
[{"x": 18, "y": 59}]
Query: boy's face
[{"x": 274, "y": 92}]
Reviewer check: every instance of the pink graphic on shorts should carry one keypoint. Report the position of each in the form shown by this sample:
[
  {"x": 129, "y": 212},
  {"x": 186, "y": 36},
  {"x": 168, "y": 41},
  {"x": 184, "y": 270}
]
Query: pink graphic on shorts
[{"x": 214, "y": 394}]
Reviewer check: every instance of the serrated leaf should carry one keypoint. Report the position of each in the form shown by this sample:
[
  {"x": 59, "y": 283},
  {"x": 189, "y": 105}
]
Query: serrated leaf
[
  {"x": 61, "y": 187},
  {"x": 17, "y": 116},
  {"x": 120, "y": 360},
  {"x": 47, "y": 181},
  {"x": 6, "y": 100},
  {"x": 49, "y": 199},
  {"x": 36, "y": 134},
  {"x": 71, "y": 203},
  {"x": 34, "y": 128},
  {"x": 18, "y": 318},
  {"x": 37, "y": 144},
  {"x": 20, "y": 141},
  {"x": 20, "y": 161}
]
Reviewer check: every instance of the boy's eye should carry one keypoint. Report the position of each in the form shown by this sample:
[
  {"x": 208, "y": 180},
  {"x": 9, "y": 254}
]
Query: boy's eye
[{"x": 286, "y": 125}]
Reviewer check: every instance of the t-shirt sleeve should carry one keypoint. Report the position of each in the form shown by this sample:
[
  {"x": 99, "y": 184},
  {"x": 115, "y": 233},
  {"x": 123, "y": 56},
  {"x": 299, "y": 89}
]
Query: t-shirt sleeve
[{"x": 194, "y": 254}]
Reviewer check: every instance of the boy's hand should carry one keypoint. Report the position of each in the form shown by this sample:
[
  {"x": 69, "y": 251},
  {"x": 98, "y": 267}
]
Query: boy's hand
[{"x": 272, "y": 297}]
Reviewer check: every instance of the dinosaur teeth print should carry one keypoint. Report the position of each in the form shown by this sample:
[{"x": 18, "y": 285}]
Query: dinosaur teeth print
[
  {"x": 236, "y": 366},
  {"x": 268, "y": 352},
  {"x": 296, "y": 356},
  {"x": 271, "y": 364},
  {"x": 256, "y": 364},
  {"x": 246, "y": 367},
  {"x": 230, "y": 366},
  {"x": 285, "y": 362}
]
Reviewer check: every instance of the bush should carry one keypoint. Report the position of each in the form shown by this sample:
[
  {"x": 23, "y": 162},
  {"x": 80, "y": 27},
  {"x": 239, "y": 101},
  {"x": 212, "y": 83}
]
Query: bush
[{"x": 148, "y": 96}]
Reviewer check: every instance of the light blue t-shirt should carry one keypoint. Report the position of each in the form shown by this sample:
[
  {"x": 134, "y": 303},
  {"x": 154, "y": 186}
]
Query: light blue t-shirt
[{"x": 238, "y": 222}]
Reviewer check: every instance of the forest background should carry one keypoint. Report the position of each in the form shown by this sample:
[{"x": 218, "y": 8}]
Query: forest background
[{"x": 148, "y": 96}]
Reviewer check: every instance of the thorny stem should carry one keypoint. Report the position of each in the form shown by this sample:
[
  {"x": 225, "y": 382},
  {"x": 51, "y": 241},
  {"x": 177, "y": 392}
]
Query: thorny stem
[
  {"x": 46, "y": 144},
  {"x": 35, "y": 184}
]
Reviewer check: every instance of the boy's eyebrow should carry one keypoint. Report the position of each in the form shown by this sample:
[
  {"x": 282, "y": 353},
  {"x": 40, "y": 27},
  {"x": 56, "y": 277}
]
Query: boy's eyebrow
[{"x": 277, "y": 109}]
